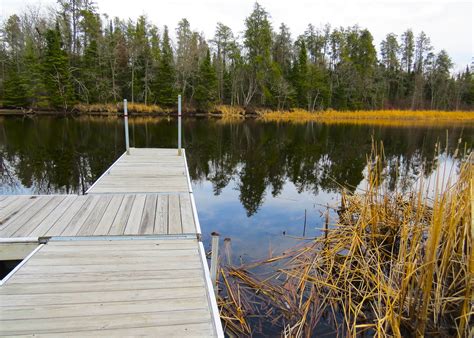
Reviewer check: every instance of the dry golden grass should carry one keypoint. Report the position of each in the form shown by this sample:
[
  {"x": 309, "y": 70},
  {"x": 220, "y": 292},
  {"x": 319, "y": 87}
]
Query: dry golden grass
[
  {"x": 110, "y": 108},
  {"x": 97, "y": 108},
  {"x": 376, "y": 117},
  {"x": 143, "y": 108},
  {"x": 230, "y": 111},
  {"x": 394, "y": 264},
  {"x": 383, "y": 117}
]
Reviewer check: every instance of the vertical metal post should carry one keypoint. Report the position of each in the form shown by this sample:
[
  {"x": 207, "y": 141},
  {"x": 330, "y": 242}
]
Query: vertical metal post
[
  {"x": 125, "y": 114},
  {"x": 214, "y": 259},
  {"x": 179, "y": 125}
]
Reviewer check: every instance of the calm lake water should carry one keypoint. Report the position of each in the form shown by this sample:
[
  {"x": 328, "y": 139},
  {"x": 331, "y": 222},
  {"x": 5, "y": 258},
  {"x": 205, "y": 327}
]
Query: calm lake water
[{"x": 253, "y": 181}]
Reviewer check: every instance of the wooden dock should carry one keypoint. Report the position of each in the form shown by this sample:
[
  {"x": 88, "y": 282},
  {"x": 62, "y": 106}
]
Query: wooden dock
[{"x": 124, "y": 259}]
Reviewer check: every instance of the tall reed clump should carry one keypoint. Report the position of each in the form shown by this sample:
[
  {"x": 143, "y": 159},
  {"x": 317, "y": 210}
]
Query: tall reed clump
[{"x": 393, "y": 264}]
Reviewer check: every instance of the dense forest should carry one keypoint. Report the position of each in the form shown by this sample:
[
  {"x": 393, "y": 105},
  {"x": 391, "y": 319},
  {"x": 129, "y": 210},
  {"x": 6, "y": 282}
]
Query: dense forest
[{"x": 75, "y": 55}]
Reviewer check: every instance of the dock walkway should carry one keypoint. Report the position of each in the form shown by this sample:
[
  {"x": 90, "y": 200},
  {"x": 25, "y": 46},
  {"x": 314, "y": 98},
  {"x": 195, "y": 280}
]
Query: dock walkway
[{"x": 124, "y": 259}]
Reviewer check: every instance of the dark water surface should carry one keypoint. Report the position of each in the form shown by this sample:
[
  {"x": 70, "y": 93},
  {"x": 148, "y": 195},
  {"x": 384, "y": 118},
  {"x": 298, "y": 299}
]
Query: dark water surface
[{"x": 253, "y": 181}]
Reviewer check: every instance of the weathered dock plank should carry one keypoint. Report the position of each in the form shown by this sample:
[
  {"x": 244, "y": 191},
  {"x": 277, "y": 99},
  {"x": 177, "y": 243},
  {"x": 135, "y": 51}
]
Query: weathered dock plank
[
  {"x": 109, "y": 215},
  {"x": 116, "y": 289},
  {"x": 124, "y": 259},
  {"x": 43, "y": 227},
  {"x": 101, "y": 215},
  {"x": 145, "y": 171}
]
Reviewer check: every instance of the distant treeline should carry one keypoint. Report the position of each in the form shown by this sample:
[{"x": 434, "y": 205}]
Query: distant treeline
[{"x": 76, "y": 55}]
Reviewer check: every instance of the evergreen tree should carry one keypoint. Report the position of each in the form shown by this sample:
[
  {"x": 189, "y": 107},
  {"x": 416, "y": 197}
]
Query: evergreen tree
[
  {"x": 466, "y": 80},
  {"x": 165, "y": 79},
  {"x": 56, "y": 71},
  {"x": 34, "y": 86},
  {"x": 14, "y": 83},
  {"x": 408, "y": 50},
  {"x": 223, "y": 41},
  {"x": 282, "y": 49},
  {"x": 300, "y": 74},
  {"x": 390, "y": 50},
  {"x": 15, "y": 93},
  {"x": 89, "y": 83},
  {"x": 206, "y": 89},
  {"x": 185, "y": 57},
  {"x": 258, "y": 42}
]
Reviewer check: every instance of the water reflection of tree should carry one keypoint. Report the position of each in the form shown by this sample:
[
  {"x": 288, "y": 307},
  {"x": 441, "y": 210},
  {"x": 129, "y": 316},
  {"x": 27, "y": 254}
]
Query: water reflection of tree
[
  {"x": 67, "y": 155},
  {"x": 7, "y": 177},
  {"x": 313, "y": 157},
  {"x": 49, "y": 155}
]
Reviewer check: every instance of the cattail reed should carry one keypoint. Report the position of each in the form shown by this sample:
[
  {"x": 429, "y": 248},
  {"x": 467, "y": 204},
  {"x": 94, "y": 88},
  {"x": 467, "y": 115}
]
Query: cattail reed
[{"x": 391, "y": 264}]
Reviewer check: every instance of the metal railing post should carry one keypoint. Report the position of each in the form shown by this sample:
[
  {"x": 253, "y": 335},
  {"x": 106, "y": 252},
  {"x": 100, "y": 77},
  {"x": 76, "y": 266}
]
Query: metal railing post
[
  {"x": 214, "y": 259},
  {"x": 125, "y": 114},
  {"x": 179, "y": 125}
]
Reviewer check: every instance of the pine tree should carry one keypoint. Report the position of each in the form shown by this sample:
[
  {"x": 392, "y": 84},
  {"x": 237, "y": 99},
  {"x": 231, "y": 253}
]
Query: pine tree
[
  {"x": 90, "y": 83},
  {"x": 300, "y": 74},
  {"x": 34, "y": 86},
  {"x": 223, "y": 41},
  {"x": 56, "y": 71},
  {"x": 258, "y": 42},
  {"x": 15, "y": 93},
  {"x": 206, "y": 89},
  {"x": 467, "y": 84},
  {"x": 165, "y": 79}
]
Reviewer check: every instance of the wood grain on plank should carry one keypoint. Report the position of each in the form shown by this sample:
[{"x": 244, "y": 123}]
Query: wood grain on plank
[
  {"x": 123, "y": 213},
  {"x": 60, "y": 225},
  {"x": 147, "y": 223},
  {"x": 133, "y": 224},
  {"x": 161, "y": 220},
  {"x": 81, "y": 216},
  {"x": 42, "y": 228},
  {"x": 110, "y": 213},
  {"x": 174, "y": 215},
  {"x": 92, "y": 222}
]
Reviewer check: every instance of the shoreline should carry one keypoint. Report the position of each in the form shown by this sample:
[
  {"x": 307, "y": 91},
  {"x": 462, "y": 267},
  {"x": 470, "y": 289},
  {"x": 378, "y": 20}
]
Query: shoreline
[{"x": 236, "y": 114}]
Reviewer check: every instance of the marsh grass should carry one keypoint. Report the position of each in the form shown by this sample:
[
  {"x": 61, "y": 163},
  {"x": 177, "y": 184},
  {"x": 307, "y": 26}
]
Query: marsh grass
[
  {"x": 230, "y": 112},
  {"x": 393, "y": 264},
  {"x": 114, "y": 108},
  {"x": 400, "y": 117}
]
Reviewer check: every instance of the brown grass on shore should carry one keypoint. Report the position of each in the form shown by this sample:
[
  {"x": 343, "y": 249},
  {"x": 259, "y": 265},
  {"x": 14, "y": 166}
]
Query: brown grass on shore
[
  {"x": 114, "y": 108},
  {"x": 369, "y": 116},
  {"x": 97, "y": 108},
  {"x": 228, "y": 111},
  {"x": 231, "y": 113},
  {"x": 393, "y": 265}
]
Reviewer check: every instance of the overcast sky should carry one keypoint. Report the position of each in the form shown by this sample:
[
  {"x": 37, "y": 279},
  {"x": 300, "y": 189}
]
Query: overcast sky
[{"x": 449, "y": 23}]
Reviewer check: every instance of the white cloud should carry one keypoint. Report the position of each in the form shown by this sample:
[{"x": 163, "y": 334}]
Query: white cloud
[{"x": 448, "y": 23}]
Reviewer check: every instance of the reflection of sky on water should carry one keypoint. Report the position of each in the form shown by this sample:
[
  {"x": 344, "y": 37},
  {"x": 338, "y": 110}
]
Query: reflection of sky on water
[
  {"x": 444, "y": 174},
  {"x": 256, "y": 236}
]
